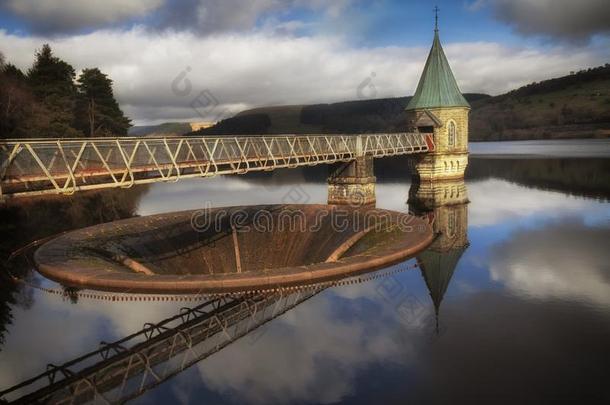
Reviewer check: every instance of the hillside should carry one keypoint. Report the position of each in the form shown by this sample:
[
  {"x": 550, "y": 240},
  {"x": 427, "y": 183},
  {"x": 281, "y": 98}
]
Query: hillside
[
  {"x": 574, "y": 106},
  {"x": 377, "y": 115},
  {"x": 165, "y": 129}
]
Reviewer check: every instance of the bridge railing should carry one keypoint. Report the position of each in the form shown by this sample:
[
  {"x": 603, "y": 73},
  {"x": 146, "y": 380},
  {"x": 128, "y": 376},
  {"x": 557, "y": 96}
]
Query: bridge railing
[{"x": 63, "y": 166}]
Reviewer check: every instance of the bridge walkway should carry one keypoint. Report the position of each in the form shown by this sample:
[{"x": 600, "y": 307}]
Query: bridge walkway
[{"x": 31, "y": 167}]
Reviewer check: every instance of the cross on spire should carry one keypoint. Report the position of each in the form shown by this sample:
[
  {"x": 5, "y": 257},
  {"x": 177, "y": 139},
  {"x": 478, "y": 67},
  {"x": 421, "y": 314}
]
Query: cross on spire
[{"x": 436, "y": 10}]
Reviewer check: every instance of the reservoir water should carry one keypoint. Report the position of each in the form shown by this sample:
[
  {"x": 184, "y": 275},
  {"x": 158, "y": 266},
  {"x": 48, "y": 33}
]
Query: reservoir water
[{"x": 513, "y": 308}]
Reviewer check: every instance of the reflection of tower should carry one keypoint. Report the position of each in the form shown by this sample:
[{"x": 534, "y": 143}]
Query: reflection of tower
[{"x": 445, "y": 205}]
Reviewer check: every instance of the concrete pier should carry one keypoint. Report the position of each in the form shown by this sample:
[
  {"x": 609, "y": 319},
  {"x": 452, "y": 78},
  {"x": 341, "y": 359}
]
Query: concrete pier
[{"x": 352, "y": 183}]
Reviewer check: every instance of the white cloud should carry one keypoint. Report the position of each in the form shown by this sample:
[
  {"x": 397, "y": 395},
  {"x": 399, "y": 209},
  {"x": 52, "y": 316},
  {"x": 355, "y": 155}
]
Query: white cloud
[
  {"x": 71, "y": 15},
  {"x": 263, "y": 68}
]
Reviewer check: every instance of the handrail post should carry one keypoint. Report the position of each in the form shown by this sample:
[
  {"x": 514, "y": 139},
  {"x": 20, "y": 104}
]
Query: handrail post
[{"x": 359, "y": 149}]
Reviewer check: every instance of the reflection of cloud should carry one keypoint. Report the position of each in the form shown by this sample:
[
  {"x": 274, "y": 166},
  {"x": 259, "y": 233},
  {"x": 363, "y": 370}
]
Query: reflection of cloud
[
  {"x": 235, "y": 190},
  {"x": 564, "y": 260},
  {"x": 68, "y": 330},
  {"x": 496, "y": 201},
  {"x": 224, "y": 191},
  {"x": 312, "y": 353}
]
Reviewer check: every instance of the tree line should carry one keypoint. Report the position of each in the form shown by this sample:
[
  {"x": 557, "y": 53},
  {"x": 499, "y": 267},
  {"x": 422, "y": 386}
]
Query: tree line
[
  {"x": 49, "y": 101},
  {"x": 598, "y": 73}
]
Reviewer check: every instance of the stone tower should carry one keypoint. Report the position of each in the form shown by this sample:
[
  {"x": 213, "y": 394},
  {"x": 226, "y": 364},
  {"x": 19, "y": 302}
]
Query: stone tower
[{"x": 438, "y": 107}]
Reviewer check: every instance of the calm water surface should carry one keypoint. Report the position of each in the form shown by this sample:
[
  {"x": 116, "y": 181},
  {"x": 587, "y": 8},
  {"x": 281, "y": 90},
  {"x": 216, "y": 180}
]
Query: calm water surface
[{"x": 523, "y": 309}]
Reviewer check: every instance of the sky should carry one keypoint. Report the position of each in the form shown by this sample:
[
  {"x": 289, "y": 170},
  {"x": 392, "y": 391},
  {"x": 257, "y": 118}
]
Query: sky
[{"x": 205, "y": 60}]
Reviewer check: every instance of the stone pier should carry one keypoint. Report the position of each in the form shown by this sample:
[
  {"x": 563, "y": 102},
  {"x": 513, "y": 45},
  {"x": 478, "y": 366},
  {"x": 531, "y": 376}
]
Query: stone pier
[{"x": 352, "y": 183}]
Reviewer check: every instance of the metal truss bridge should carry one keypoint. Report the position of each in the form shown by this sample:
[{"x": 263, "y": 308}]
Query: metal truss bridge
[
  {"x": 30, "y": 167},
  {"x": 127, "y": 368}
]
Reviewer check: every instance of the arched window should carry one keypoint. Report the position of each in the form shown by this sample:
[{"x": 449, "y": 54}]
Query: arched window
[{"x": 451, "y": 129}]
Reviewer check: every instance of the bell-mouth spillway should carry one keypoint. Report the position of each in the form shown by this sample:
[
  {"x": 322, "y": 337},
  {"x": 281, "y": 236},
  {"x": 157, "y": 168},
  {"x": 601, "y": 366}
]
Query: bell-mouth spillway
[{"x": 232, "y": 249}]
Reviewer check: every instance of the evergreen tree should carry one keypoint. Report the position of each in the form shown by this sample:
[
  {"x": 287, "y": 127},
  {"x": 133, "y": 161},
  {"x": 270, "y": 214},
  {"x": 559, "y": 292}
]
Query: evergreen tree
[
  {"x": 21, "y": 115},
  {"x": 11, "y": 71},
  {"x": 52, "y": 82},
  {"x": 97, "y": 112}
]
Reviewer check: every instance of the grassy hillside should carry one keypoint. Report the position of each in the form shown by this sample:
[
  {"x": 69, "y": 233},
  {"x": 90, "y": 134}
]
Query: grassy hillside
[
  {"x": 166, "y": 129},
  {"x": 568, "y": 107},
  {"x": 573, "y": 106}
]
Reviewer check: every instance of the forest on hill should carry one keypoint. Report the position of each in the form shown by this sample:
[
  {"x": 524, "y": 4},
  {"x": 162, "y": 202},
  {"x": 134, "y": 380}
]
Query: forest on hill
[
  {"x": 49, "y": 101},
  {"x": 573, "y": 106}
]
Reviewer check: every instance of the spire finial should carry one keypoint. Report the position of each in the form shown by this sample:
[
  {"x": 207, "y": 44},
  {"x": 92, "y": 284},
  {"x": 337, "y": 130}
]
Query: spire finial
[{"x": 436, "y": 10}]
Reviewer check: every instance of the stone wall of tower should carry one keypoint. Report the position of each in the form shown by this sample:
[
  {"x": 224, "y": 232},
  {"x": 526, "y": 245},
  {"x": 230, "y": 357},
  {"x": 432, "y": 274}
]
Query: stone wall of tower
[
  {"x": 459, "y": 116},
  {"x": 446, "y": 162}
]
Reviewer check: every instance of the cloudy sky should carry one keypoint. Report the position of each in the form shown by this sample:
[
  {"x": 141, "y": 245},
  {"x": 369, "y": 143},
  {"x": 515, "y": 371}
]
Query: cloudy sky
[{"x": 208, "y": 59}]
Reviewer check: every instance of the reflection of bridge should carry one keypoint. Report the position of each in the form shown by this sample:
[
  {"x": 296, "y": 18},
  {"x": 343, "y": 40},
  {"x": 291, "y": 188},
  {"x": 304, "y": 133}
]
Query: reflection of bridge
[
  {"x": 34, "y": 167},
  {"x": 127, "y": 368}
]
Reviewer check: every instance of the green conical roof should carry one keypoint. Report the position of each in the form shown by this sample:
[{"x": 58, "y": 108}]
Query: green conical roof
[{"x": 437, "y": 86}]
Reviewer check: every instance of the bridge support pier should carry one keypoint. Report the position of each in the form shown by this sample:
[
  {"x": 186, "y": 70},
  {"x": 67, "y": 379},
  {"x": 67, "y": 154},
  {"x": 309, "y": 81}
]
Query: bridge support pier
[{"x": 352, "y": 183}]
